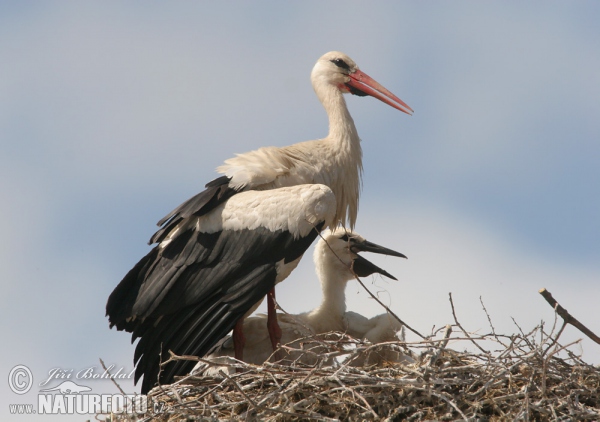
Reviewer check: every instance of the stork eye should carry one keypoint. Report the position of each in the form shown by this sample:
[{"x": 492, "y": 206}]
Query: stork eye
[
  {"x": 348, "y": 238},
  {"x": 345, "y": 238},
  {"x": 340, "y": 63}
]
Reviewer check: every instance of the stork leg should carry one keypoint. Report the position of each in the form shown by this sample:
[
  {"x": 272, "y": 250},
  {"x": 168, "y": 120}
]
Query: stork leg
[
  {"x": 272, "y": 324},
  {"x": 239, "y": 341}
]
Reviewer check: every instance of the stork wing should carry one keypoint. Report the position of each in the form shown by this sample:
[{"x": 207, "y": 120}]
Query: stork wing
[
  {"x": 216, "y": 193},
  {"x": 191, "y": 289}
]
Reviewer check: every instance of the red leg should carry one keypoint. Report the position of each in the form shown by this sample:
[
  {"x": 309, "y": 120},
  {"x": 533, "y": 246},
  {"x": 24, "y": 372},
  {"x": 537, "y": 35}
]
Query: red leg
[
  {"x": 239, "y": 341},
  {"x": 272, "y": 324}
]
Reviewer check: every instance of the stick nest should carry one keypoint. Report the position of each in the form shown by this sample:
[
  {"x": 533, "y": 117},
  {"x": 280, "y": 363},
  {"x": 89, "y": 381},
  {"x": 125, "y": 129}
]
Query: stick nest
[{"x": 520, "y": 377}]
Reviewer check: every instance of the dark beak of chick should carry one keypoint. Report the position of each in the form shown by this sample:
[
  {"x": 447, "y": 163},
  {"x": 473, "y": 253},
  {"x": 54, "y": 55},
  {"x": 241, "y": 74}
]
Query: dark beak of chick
[{"x": 362, "y": 267}]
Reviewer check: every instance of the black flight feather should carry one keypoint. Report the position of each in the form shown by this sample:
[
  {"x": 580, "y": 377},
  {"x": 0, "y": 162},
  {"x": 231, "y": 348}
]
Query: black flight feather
[
  {"x": 188, "y": 295},
  {"x": 216, "y": 192}
]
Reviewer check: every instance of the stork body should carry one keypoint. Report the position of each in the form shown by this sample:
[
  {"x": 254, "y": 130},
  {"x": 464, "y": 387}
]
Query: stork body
[
  {"x": 336, "y": 261},
  {"x": 186, "y": 286}
]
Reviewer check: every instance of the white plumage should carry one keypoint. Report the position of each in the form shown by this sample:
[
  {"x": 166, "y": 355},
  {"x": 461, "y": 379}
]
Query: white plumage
[{"x": 337, "y": 261}]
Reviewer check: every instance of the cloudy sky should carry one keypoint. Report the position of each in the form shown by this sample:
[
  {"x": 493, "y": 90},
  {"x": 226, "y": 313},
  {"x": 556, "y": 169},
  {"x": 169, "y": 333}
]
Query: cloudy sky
[{"x": 112, "y": 113}]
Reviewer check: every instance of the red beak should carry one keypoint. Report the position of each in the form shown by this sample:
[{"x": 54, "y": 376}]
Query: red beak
[{"x": 363, "y": 82}]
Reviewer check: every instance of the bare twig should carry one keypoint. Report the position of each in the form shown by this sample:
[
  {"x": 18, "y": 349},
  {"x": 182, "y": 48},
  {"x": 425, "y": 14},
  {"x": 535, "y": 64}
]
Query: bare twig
[
  {"x": 441, "y": 346},
  {"x": 567, "y": 317},
  {"x": 555, "y": 338},
  {"x": 490, "y": 321},
  {"x": 111, "y": 378},
  {"x": 388, "y": 309},
  {"x": 461, "y": 327}
]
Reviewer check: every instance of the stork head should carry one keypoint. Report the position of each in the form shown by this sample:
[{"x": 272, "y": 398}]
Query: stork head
[
  {"x": 337, "y": 253},
  {"x": 339, "y": 70}
]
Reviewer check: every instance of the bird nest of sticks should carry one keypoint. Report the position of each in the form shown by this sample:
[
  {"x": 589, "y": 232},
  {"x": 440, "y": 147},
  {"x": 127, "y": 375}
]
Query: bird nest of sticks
[{"x": 524, "y": 376}]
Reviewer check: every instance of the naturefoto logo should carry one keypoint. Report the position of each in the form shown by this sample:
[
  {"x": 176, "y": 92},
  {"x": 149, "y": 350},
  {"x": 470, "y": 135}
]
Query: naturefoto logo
[{"x": 69, "y": 397}]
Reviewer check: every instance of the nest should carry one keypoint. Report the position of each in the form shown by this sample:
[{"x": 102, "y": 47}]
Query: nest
[
  {"x": 522, "y": 379},
  {"x": 331, "y": 377}
]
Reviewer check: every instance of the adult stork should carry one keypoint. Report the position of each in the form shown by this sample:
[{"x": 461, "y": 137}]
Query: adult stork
[
  {"x": 337, "y": 261},
  {"x": 196, "y": 280}
]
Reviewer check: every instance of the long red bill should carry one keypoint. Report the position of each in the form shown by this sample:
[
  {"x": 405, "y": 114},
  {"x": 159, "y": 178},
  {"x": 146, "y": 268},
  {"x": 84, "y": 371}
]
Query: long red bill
[{"x": 363, "y": 82}]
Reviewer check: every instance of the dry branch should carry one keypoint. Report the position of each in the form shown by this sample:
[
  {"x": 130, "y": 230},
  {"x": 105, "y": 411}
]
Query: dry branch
[{"x": 567, "y": 317}]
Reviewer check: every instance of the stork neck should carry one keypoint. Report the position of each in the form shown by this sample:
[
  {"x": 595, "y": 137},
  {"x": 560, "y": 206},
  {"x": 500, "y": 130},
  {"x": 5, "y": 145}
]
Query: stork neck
[
  {"x": 333, "y": 304},
  {"x": 341, "y": 124},
  {"x": 342, "y": 165}
]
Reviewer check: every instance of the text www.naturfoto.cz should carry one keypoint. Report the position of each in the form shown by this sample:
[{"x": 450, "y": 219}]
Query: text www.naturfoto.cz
[{"x": 21, "y": 409}]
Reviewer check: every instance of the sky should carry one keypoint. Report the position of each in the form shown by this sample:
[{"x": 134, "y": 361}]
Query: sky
[{"x": 113, "y": 113}]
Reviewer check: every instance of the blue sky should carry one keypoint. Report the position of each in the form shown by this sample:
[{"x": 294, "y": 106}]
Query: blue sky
[{"x": 112, "y": 113}]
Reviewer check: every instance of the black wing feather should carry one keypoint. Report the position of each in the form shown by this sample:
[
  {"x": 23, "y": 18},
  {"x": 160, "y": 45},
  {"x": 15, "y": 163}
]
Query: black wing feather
[
  {"x": 195, "y": 331},
  {"x": 216, "y": 192},
  {"x": 188, "y": 295}
]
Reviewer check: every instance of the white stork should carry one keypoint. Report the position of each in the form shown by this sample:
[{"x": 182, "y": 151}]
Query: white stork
[
  {"x": 180, "y": 296},
  {"x": 337, "y": 260}
]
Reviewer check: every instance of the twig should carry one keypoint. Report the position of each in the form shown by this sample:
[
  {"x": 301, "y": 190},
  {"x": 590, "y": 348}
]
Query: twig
[
  {"x": 490, "y": 321},
  {"x": 451, "y": 403},
  {"x": 388, "y": 309},
  {"x": 567, "y": 317},
  {"x": 441, "y": 346},
  {"x": 434, "y": 357},
  {"x": 555, "y": 338},
  {"x": 111, "y": 378},
  {"x": 524, "y": 336},
  {"x": 461, "y": 327}
]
